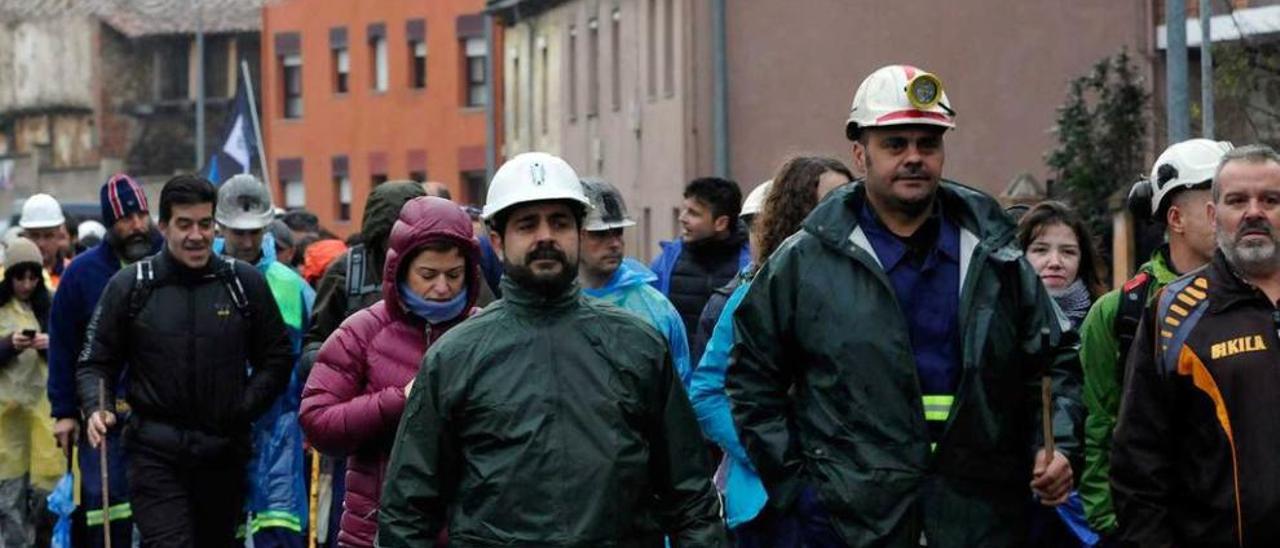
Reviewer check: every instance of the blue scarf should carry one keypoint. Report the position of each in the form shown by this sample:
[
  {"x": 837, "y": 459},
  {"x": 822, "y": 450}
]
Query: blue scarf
[{"x": 433, "y": 312}]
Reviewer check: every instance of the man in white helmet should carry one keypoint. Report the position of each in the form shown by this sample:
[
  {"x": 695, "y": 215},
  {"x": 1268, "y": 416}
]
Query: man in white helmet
[
  {"x": 1176, "y": 195},
  {"x": 278, "y": 497},
  {"x": 888, "y": 357},
  {"x": 550, "y": 419},
  {"x": 42, "y": 222}
]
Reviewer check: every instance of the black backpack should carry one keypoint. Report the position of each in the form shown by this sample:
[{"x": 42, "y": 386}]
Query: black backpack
[
  {"x": 1133, "y": 301},
  {"x": 357, "y": 263}
]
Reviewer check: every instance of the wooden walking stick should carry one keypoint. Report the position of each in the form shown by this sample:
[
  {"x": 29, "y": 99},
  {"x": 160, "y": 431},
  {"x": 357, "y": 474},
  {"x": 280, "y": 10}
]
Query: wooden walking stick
[
  {"x": 1046, "y": 394},
  {"x": 102, "y": 465}
]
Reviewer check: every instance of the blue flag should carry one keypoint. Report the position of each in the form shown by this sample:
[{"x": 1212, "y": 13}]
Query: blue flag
[{"x": 238, "y": 148}]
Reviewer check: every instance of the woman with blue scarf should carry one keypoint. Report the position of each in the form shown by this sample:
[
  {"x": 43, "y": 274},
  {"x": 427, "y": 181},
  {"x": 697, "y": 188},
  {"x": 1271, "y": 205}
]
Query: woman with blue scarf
[{"x": 357, "y": 390}]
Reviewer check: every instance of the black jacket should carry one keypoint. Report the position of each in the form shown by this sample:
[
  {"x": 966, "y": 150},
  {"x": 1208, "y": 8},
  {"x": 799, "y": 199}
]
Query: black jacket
[
  {"x": 701, "y": 269},
  {"x": 1193, "y": 460},
  {"x": 187, "y": 345}
]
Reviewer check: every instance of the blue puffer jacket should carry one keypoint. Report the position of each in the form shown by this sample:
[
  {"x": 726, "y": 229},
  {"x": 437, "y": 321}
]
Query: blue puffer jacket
[
  {"x": 277, "y": 488},
  {"x": 743, "y": 493},
  {"x": 631, "y": 289}
]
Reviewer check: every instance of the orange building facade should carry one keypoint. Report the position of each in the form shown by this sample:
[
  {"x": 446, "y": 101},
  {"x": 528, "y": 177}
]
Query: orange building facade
[{"x": 358, "y": 93}]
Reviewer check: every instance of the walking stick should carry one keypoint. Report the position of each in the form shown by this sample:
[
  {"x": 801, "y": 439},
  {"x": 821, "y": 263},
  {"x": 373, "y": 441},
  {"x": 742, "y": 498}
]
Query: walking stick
[
  {"x": 102, "y": 466},
  {"x": 1046, "y": 394}
]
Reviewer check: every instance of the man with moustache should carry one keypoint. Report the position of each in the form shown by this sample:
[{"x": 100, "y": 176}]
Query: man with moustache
[
  {"x": 1193, "y": 459},
  {"x": 186, "y": 321},
  {"x": 606, "y": 273},
  {"x": 130, "y": 237},
  {"x": 549, "y": 419},
  {"x": 888, "y": 356}
]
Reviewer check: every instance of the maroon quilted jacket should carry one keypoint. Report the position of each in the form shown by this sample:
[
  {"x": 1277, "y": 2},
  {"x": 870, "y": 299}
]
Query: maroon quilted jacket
[{"x": 354, "y": 396}]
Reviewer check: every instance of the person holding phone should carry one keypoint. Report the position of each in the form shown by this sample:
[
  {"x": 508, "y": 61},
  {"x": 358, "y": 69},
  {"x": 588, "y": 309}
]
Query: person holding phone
[{"x": 30, "y": 462}]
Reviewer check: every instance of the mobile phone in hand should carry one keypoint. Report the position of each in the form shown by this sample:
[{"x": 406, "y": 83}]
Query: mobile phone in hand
[{"x": 29, "y": 333}]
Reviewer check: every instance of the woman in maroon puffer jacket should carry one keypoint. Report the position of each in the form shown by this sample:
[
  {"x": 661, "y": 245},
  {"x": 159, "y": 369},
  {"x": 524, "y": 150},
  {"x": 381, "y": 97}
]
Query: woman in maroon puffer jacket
[{"x": 356, "y": 393}]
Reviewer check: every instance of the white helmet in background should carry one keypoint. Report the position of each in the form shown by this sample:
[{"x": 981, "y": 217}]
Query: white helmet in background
[
  {"x": 244, "y": 203},
  {"x": 899, "y": 95},
  {"x": 91, "y": 228},
  {"x": 533, "y": 177},
  {"x": 41, "y": 211},
  {"x": 1188, "y": 164},
  {"x": 754, "y": 203}
]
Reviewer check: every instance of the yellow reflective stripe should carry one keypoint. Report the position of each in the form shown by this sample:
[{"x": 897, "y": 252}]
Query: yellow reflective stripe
[
  {"x": 268, "y": 519},
  {"x": 933, "y": 447},
  {"x": 937, "y": 407},
  {"x": 118, "y": 512}
]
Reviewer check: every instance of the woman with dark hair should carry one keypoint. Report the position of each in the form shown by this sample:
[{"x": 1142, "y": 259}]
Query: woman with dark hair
[
  {"x": 30, "y": 462},
  {"x": 1060, "y": 248},
  {"x": 798, "y": 186},
  {"x": 357, "y": 390}
]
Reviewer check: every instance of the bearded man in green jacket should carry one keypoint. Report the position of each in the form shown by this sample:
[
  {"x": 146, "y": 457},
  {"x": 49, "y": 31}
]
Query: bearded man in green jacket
[{"x": 548, "y": 419}]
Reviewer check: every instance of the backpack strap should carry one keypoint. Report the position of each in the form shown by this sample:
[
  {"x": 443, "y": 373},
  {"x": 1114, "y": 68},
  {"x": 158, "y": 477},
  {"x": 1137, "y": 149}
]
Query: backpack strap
[
  {"x": 357, "y": 269},
  {"x": 1133, "y": 302},
  {"x": 1179, "y": 308},
  {"x": 235, "y": 288},
  {"x": 144, "y": 281}
]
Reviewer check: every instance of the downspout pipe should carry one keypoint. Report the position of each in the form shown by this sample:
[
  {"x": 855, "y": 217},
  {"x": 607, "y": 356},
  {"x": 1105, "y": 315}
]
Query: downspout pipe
[{"x": 720, "y": 88}]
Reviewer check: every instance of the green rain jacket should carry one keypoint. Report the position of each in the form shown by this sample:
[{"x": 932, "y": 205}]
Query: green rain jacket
[
  {"x": 825, "y": 393},
  {"x": 549, "y": 422},
  {"x": 1099, "y": 354}
]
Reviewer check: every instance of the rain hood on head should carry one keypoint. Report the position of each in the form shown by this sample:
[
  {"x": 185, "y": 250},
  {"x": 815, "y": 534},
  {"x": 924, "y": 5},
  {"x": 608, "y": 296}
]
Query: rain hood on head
[
  {"x": 423, "y": 220},
  {"x": 381, "y": 210}
]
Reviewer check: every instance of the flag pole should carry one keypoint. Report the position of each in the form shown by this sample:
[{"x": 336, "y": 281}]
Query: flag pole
[{"x": 257, "y": 127}]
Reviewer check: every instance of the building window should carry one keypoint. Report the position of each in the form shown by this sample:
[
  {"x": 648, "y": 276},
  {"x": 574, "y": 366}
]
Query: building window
[
  {"x": 573, "y": 73},
  {"x": 341, "y": 188},
  {"x": 593, "y": 67},
  {"x": 378, "y": 178},
  {"x": 170, "y": 63},
  {"x": 342, "y": 184},
  {"x": 651, "y": 24},
  {"x": 418, "y": 65},
  {"x": 418, "y": 175},
  {"x": 378, "y": 62},
  {"x": 295, "y": 193},
  {"x": 291, "y": 74},
  {"x": 615, "y": 61},
  {"x": 669, "y": 49},
  {"x": 543, "y": 77},
  {"x": 341, "y": 70},
  {"x": 474, "y": 183},
  {"x": 477, "y": 69}
]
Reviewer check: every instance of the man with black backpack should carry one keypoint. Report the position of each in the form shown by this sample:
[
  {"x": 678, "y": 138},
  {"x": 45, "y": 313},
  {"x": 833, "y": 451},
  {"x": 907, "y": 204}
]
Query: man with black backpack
[
  {"x": 186, "y": 321},
  {"x": 1175, "y": 195}
]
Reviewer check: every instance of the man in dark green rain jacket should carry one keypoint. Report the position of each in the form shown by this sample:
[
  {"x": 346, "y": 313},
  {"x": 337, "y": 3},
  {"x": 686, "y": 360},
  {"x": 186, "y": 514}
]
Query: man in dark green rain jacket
[
  {"x": 548, "y": 420},
  {"x": 888, "y": 357}
]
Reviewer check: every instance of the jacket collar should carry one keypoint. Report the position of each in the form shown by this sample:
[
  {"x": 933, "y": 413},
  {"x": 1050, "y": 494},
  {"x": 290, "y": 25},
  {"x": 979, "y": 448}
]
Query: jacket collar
[
  {"x": 629, "y": 274},
  {"x": 529, "y": 301},
  {"x": 1229, "y": 288}
]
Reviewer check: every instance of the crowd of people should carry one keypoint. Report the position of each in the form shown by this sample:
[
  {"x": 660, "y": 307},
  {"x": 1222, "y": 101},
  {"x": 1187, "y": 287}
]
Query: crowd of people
[{"x": 862, "y": 355}]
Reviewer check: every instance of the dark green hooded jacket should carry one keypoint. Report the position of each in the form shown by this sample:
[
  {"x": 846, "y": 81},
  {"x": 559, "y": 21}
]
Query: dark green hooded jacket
[
  {"x": 825, "y": 393},
  {"x": 548, "y": 422}
]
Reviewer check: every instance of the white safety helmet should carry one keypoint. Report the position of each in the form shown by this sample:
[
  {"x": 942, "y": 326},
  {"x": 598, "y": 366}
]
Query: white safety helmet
[
  {"x": 1188, "y": 164},
  {"x": 754, "y": 203},
  {"x": 899, "y": 95},
  {"x": 244, "y": 203},
  {"x": 90, "y": 228},
  {"x": 41, "y": 211},
  {"x": 532, "y": 177}
]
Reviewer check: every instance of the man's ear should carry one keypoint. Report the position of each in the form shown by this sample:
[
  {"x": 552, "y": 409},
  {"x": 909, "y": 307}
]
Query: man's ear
[
  {"x": 496, "y": 240},
  {"x": 859, "y": 159},
  {"x": 722, "y": 223}
]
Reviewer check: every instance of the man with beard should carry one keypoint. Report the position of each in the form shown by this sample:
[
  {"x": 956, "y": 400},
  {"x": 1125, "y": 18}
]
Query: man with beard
[
  {"x": 207, "y": 353},
  {"x": 1193, "y": 460},
  {"x": 277, "y": 492},
  {"x": 888, "y": 356},
  {"x": 131, "y": 237},
  {"x": 549, "y": 419}
]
